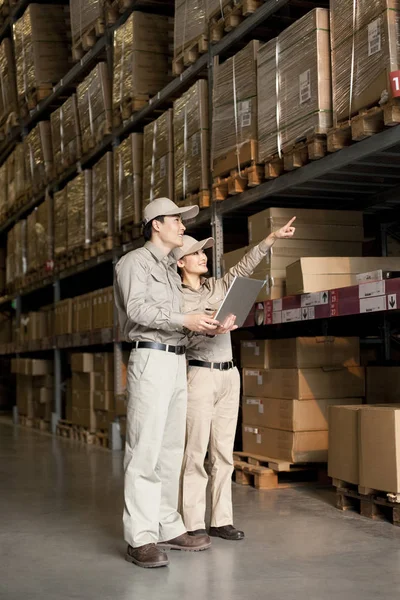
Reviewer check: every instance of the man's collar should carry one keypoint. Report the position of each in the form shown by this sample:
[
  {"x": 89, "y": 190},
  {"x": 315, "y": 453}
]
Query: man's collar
[{"x": 155, "y": 251}]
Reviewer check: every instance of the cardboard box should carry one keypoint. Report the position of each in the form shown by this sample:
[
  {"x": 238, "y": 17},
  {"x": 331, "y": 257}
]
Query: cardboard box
[
  {"x": 37, "y": 367},
  {"x": 318, "y": 224},
  {"x": 63, "y": 314},
  {"x": 379, "y": 431},
  {"x": 290, "y": 415},
  {"x": 103, "y": 419},
  {"x": 84, "y": 312},
  {"x": 83, "y": 381},
  {"x": 84, "y": 417},
  {"x": 304, "y": 384},
  {"x": 46, "y": 395},
  {"x": 304, "y": 352},
  {"x": 104, "y": 381},
  {"x": 103, "y": 361},
  {"x": 82, "y": 398},
  {"x": 382, "y": 385},
  {"x": 44, "y": 381},
  {"x": 103, "y": 400},
  {"x": 304, "y": 446},
  {"x": 316, "y": 274},
  {"x": 24, "y": 396},
  {"x": 82, "y": 362}
]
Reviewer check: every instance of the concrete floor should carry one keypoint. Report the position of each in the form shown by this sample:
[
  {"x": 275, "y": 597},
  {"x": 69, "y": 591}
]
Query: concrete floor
[{"x": 60, "y": 538}]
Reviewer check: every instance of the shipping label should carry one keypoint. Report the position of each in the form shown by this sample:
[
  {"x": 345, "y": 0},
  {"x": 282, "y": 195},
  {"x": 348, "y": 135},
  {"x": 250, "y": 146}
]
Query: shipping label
[
  {"x": 305, "y": 86},
  {"x": 374, "y": 37}
]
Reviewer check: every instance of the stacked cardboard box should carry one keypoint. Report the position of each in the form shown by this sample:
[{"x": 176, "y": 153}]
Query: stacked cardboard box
[
  {"x": 4, "y": 196},
  {"x": 365, "y": 50},
  {"x": 103, "y": 364},
  {"x": 128, "y": 169},
  {"x": 288, "y": 386},
  {"x": 34, "y": 387},
  {"x": 63, "y": 317},
  {"x": 158, "y": 159},
  {"x": 141, "y": 61},
  {"x": 294, "y": 85},
  {"x": 318, "y": 233},
  {"x": 8, "y": 84},
  {"x": 39, "y": 156},
  {"x": 191, "y": 27},
  {"x": 79, "y": 192},
  {"x": 83, "y": 413},
  {"x": 16, "y": 252},
  {"x": 3, "y": 272},
  {"x": 39, "y": 236},
  {"x": 66, "y": 134},
  {"x": 60, "y": 200},
  {"x": 103, "y": 308},
  {"x": 316, "y": 274},
  {"x": 234, "y": 123},
  {"x": 32, "y": 326},
  {"x": 17, "y": 177},
  {"x": 191, "y": 146},
  {"x": 87, "y": 18},
  {"x": 102, "y": 214},
  {"x": 82, "y": 313},
  {"x": 94, "y": 107},
  {"x": 41, "y": 51},
  {"x": 364, "y": 448}
]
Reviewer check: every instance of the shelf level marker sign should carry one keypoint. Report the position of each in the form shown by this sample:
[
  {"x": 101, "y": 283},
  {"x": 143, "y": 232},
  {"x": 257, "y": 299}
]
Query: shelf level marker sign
[
  {"x": 392, "y": 301},
  {"x": 395, "y": 83}
]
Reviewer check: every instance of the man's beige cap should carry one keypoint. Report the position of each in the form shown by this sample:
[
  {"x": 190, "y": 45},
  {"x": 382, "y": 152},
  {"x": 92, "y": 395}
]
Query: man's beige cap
[
  {"x": 165, "y": 207},
  {"x": 190, "y": 246}
]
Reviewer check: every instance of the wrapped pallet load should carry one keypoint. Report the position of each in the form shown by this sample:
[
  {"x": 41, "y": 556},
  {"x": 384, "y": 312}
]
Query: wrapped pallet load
[
  {"x": 234, "y": 125},
  {"x": 8, "y": 85},
  {"x": 190, "y": 32},
  {"x": 39, "y": 151},
  {"x": 17, "y": 177},
  {"x": 66, "y": 134},
  {"x": 294, "y": 87},
  {"x": 141, "y": 62},
  {"x": 88, "y": 22},
  {"x": 39, "y": 243},
  {"x": 78, "y": 211},
  {"x": 16, "y": 253},
  {"x": 191, "y": 145},
  {"x": 41, "y": 52},
  {"x": 102, "y": 215},
  {"x": 365, "y": 50},
  {"x": 60, "y": 222},
  {"x": 158, "y": 159},
  {"x": 4, "y": 195},
  {"x": 128, "y": 170},
  {"x": 94, "y": 107}
]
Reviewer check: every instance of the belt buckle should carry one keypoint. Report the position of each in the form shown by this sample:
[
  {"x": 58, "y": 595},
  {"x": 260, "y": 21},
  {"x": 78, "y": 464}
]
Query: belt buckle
[
  {"x": 166, "y": 347},
  {"x": 221, "y": 366}
]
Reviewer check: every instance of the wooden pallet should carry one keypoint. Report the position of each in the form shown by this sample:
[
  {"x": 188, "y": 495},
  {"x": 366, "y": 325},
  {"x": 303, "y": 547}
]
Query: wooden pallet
[
  {"x": 312, "y": 148},
  {"x": 200, "y": 198},
  {"x": 372, "y": 504},
  {"x": 237, "y": 181},
  {"x": 129, "y": 231},
  {"x": 100, "y": 438},
  {"x": 268, "y": 473},
  {"x": 91, "y": 142},
  {"x": 35, "y": 275},
  {"x": 71, "y": 258},
  {"x": 69, "y": 430},
  {"x": 33, "y": 97},
  {"x": 88, "y": 39},
  {"x": 366, "y": 123},
  {"x": 25, "y": 421},
  {"x": 101, "y": 246},
  {"x": 189, "y": 55},
  {"x": 233, "y": 14},
  {"x": 127, "y": 107}
]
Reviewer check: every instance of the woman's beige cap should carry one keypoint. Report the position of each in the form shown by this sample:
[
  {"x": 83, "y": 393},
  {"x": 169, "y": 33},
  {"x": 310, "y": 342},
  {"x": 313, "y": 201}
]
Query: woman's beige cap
[
  {"x": 165, "y": 207},
  {"x": 190, "y": 246}
]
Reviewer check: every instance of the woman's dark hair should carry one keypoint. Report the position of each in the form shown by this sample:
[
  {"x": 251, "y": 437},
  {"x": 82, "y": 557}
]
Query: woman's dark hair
[{"x": 147, "y": 229}]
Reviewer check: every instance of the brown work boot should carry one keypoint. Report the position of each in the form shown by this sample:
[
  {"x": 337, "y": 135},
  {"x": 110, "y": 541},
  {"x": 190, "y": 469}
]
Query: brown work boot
[
  {"x": 147, "y": 556},
  {"x": 187, "y": 542}
]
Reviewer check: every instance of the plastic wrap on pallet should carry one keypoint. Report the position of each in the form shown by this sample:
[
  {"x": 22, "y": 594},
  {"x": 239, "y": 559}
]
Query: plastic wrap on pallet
[
  {"x": 60, "y": 202},
  {"x": 190, "y": 23},
  {"x": 65, "y": 134},
  {"x": 31, "y": 255},
  {"x": 44, "y": 230},
  {"x": 84, "y": 14},
  {"x": 128, "y": 172},
  {"x": 191, "y": 140},
  {"x": 102, "y": 198},
  {"x": 10, "y": 258},
  {"x": 41, "y": 47},
  {"x": 294, "y": 85},
  {"x": 17, "y": 175},
  {"x": 78, "y": 210},
  {"x": 20, "y": 249},
  {"x": 39, "y": 155},
  {"x": 365, "y": 50},
  {"x": 158, "y": 161},
  {"x": 94, "y": 106},
  {"x": 235, "y": 109},
  {"x": 141, "y": 57},
  {"x": 8, "y": 85},
  {"x": 4, "y": 194}
]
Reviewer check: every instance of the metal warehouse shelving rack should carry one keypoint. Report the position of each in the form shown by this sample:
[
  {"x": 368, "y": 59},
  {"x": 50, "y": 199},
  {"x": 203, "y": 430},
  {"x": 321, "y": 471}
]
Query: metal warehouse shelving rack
[{"x": 343, "y": 180}]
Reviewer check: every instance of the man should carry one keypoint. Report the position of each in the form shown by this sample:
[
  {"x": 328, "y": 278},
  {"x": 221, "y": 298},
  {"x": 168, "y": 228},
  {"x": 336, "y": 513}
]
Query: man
[{"x": 149, "y": 300}]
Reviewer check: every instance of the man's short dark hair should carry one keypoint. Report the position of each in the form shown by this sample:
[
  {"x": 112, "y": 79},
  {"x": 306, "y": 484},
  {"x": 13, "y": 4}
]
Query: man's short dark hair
[{"x": 148, "y": 228}]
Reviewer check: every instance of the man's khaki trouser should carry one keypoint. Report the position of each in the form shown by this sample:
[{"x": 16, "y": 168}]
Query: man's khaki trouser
[
  {"x": 213, "y": 402},
  {"x": 155, "y": 436}
]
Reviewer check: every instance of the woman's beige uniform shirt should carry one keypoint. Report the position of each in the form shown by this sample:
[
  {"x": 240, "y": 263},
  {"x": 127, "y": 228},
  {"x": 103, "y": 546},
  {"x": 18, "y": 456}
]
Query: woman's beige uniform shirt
[{"x": 208, "y": 299}]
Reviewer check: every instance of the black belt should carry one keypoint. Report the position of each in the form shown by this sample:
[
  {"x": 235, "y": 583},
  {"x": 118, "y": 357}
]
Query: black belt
[
  {"x": 221, "y": 366},
  {"x": 163, "y": 347}
]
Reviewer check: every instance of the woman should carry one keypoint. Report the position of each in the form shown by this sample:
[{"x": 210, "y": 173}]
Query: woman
[{"x": 213, "y": 389}]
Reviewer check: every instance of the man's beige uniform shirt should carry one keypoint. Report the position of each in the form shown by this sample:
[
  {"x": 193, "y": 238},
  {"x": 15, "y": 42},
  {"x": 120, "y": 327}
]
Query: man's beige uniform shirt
[
  {"x": 149, "y": 297},
  {"x": 208, "y": 299}
]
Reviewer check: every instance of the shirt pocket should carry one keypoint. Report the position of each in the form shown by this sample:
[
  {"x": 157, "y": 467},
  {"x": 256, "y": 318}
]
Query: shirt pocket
[{"x": 158, "y": 287}]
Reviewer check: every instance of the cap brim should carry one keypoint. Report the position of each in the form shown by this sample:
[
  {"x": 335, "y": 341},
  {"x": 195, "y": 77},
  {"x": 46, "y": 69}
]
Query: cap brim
[
  {"x": 187, "y": 212},
  {"x": 202, "y": 245}
]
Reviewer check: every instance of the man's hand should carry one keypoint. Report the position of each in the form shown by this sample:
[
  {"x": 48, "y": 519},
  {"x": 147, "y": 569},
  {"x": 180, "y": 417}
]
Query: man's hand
[
  {"x": 287, "y": 231},
  {"x": 200, "y": 323},
  {"x": 227, "y": 326}
]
